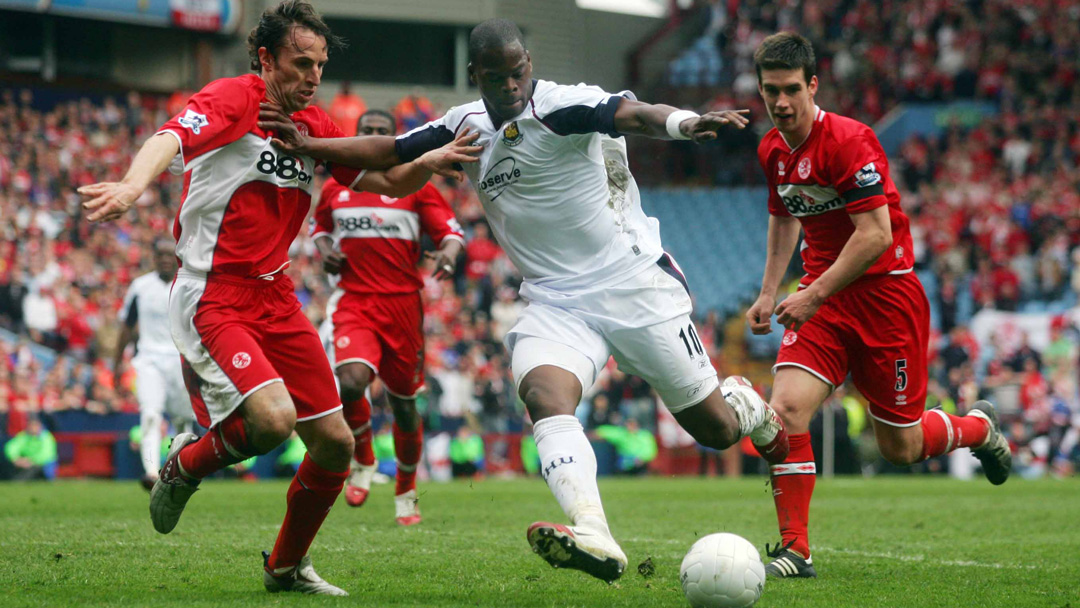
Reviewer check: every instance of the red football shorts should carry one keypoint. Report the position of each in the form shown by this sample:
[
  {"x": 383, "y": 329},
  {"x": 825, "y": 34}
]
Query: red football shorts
[
  {"x": 238, "y": 335},
  {"x": 879, "y": 330},
  {"x": 386, "y": 333}
]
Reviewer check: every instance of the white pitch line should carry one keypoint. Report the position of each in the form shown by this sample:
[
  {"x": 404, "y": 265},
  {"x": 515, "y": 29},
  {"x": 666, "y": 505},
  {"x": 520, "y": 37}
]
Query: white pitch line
[{"x": 922, "y": 558}]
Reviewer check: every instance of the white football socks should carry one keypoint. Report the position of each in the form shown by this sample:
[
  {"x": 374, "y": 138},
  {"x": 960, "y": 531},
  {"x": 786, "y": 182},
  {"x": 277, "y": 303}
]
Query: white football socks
[
  {"x": 568, "y": 464},
  {"x": 150, "y": 443}
]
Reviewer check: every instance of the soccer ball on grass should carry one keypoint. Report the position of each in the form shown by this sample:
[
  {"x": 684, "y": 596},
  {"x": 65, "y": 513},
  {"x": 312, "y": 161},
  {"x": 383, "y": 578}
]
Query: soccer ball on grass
[{"x": 722, "y": 571}]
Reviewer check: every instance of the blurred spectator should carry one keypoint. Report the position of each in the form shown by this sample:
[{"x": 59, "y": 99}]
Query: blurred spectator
[
  {"x": 413, "y": 111},
  {"x": 466, "y": 453},
  {"x": 32, "y": 452},
  {"x": 346, "y": 108},
  {"x": 635, "y": 446}
]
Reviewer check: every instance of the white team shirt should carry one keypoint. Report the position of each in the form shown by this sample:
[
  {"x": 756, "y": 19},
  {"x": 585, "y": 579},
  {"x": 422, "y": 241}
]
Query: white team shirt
[
  {"x": 555, "y": 187},
  {"x": 147, "y": 303}
]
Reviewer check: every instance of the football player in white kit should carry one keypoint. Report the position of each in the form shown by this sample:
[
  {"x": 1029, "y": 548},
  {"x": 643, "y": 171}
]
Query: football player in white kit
[
  {"x": 557, "y": 191},
  {"x": 159, "y": 380}
]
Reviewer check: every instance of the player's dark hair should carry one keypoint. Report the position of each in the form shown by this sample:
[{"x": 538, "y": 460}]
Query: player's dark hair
[
  {"x": 493, "y": 34},
  {"x": 163, "y": 244},
  {"x": 786, "y": 51},
  {"x": 380, "y": 113},
  {"x": 277, "y": 22}
]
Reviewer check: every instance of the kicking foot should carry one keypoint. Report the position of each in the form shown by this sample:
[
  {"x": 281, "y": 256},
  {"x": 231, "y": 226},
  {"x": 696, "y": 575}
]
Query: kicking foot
[
  {"x": 171, "y": 491},
  {"x": 995, "y": 455},
  {"x": 788, "y": 564},
  {"x": 407, "y": 508},
  {"x": 359, "y": 483},
  {"x": 300, "y": 578},
  {"x": 756, "y": 419},
  {"x": 582, "y": 549}
]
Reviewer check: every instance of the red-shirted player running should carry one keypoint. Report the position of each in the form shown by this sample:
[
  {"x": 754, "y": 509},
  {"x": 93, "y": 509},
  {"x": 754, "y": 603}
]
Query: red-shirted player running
[
  {"x": 253, "y": 364},
  {"x": 860, "y": 308},
  {"x": 377, "y": 314}
]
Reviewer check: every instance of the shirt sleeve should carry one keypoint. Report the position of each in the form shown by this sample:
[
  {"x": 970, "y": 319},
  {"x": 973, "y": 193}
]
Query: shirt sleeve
[
  {"x": 214, "y": 117},
  {"x": 433, "y": 135},
  {"x": 436, "y": 217},
  {"x": 579, "y": 109},
  {"x": 347, "y": 176},
  {"x": 324, "y": 211},
  {"x": 859, "y": 168}
]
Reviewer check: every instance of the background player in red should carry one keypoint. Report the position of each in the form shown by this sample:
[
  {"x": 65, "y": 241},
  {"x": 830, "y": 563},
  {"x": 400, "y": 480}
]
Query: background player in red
[
  {"x": 859, "y": 309},
  {"x": 372, "y": 241},
  {"x": 253, "y": 364}
]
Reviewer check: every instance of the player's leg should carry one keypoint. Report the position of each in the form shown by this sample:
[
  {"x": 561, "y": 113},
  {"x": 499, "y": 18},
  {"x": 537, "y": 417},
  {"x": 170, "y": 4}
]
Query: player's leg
[
  {"x": 408, "y": 447},
  {"x": 550, "y": 376},
  {"x": 889, "y": 367},
  {"x": 292, "y": 344},
  {"x": 150, "y": 390},
  {"x": 670, "y": 357},
  {"x": 797, "y": 396},
  {"x": 355, "y": 377}
]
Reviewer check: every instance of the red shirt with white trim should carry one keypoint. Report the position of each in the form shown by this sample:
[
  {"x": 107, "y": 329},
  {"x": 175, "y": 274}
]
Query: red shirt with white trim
[
  {"x": 244, "y": 201},
  {"x": 380, "y": 235},
  {"x": 840, "y": 169}
]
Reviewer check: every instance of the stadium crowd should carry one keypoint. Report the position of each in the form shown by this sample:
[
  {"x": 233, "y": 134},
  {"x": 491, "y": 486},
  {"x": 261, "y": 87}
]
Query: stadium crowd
[{"x": 995, "y": 211}]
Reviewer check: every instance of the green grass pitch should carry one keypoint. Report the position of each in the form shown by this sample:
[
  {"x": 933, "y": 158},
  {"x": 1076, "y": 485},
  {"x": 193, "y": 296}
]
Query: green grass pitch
[{"x": 889, "y": 542}]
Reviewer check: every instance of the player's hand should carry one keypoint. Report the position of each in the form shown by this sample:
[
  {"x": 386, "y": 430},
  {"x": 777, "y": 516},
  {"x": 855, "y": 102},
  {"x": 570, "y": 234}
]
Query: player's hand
[
  {"x": 797, "y": 308},
  {"x": 443, "y": 160},
  {"x": 444, "y": 264},
  {"x": 287, "y": 137},
  {"x": 333, "y": 261},
  {"x": 107, "y": 201},
  {"x": 759, "y": 317},
  {"x": 704, "y": 128}
]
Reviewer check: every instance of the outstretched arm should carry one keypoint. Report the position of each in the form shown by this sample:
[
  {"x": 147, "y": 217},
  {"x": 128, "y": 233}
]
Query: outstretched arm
[
  {"x": 666, "y": 122},
  {"x": 109, "y": 200},
  {"x": 364, "y": 152},
  {"x": 405, "y": 179}
]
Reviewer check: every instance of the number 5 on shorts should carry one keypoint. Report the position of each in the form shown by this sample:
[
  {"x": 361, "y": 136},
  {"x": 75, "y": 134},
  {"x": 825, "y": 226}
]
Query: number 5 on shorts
[{"x": 901, "y": 375}]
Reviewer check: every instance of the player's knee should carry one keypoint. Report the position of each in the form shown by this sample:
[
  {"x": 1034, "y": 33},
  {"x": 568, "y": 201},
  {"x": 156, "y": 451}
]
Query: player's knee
[
  {"x": 544, "y": 401},
  {"x": 354, "y": 380},
  {"x": 405, "y": 414},
  {"x": 272, "y": 428},
  {"x": 334, "y": 446},
  {"x": 900, "y": 454},
  {"x": 788, "y": 410}
]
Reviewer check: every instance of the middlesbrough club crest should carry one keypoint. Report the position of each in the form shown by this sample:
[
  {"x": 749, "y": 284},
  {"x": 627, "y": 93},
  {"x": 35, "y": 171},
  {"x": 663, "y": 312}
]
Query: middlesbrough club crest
[
  {"x": 343, "y": 342},
  {"x": 804, "y": 168},
  {"x": 790, "y": 338},
  {"x": 241, "y": 360}
]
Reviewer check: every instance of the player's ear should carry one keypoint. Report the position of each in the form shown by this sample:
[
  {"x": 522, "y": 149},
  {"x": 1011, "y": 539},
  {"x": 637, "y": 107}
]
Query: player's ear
[
  {"x": 266, "y": 59},
  {"x": 812, "y": 87},
  {"x": 472, "y": 73}
]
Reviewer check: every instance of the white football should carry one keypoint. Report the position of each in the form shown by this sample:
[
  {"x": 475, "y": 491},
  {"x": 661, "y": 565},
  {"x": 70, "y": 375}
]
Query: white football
[{"x": 722, "y": 571}]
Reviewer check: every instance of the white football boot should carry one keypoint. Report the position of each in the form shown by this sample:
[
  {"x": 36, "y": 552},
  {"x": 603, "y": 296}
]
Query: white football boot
[
  {"x": 300, "y": 578},
  {"x": 171, "y": 491},
  {"x": 407, "y": 508},
  {"x": 358, "y": 485},
  {"x": 756, "y": 419},
  {"x": 580, "y": 548}
]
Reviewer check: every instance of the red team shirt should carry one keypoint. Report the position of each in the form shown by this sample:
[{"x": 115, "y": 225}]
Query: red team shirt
[
  {"x": 840, "y": 169},
  {"x": 380, "y": 235},
  {"x": 240, "y": 213},
  {"x": 877, "y": 327}
]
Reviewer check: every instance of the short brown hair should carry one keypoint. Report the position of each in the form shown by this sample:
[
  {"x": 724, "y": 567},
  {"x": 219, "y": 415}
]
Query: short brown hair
[
  {"x": 277, "y": 21},
  {"x": 786, "y": 51}
]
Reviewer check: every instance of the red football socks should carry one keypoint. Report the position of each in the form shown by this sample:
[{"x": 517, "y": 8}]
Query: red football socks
[
  {"x": 358, "y": 417},
  {"x": 943, "y": 433},
  {"x": 312, "y": 493},
  {"x": 226, "y": 444},
  {"x": 793, "y": 485},
  {"x": 407, "y": 448}
]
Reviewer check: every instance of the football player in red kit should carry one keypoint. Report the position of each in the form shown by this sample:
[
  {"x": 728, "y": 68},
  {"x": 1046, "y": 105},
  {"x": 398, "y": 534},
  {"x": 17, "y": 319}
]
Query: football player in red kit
[
  {"x": 859, "y": 309},
  {"x": 253, "y": 364},
  {"x": 372, "y": 242}
]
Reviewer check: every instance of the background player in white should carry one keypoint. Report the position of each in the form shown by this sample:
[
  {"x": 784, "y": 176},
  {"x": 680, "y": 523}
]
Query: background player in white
[
  {"x": 159, "y": 381},
  {"x": 558, "y": 194}
]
